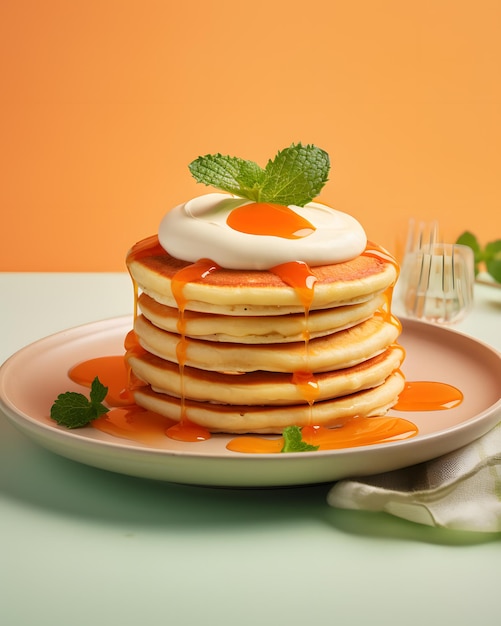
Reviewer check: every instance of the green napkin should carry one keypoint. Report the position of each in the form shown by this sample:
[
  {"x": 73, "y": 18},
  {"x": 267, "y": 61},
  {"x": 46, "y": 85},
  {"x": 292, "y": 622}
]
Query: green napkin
[{"x": 460, "y": 490}]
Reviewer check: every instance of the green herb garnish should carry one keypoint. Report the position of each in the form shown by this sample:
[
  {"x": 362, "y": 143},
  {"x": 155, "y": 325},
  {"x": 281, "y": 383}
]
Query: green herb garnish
[
  {"x": 488, "y": 257},
  {"x": 295, "y": 176},
  {"x": 73, "y": 410},
  {"x": 293, "y": 441}
]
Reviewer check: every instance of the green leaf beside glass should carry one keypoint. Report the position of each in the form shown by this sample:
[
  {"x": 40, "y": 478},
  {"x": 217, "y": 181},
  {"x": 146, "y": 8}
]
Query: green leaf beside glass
[{"x": 487, "y": 257}]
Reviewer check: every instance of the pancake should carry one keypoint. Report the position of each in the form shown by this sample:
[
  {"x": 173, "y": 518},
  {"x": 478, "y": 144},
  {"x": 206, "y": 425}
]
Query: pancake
[
  {"x": 335, "y": 351},
  {"x": 258, "y": 329},
  {"x": 241, "y": 419},
  {"x": 261, "y": 388},
  {"x": 256, "y": 292}
]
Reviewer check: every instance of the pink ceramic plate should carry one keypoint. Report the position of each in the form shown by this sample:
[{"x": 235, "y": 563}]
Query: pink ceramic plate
[{"x": 33, "y": 377}]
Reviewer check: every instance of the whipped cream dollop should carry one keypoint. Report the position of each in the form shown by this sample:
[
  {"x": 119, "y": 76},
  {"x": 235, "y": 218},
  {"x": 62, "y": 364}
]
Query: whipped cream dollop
[{"x": 198, "y": 229}]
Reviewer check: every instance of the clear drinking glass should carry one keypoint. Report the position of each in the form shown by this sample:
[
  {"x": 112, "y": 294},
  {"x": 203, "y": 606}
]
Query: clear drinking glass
[{"x": 437, "y": 282}]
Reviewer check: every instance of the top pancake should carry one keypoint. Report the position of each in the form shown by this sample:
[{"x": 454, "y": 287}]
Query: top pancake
[{"x": 256, "y": 292}]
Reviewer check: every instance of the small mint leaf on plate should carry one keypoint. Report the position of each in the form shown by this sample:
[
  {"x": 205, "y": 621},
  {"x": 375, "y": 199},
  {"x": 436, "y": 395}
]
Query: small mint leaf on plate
[
  {"x": 293, "y": 441},
  {"x": 74, "y": 410}
]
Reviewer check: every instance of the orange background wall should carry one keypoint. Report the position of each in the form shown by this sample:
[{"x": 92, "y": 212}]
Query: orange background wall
[{"x": 105, "y": 102}]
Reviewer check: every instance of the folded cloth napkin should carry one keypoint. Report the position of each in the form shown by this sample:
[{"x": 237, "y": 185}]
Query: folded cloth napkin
[{"x": 460, "y": 490}]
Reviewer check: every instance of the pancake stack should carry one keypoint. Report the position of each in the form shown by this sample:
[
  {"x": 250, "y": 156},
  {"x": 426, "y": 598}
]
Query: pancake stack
[{"x": 239, "y": 351}]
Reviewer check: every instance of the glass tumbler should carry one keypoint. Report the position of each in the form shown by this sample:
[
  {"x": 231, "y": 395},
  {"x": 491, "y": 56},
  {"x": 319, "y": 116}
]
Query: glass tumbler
[{"x": 437, "y": 282}]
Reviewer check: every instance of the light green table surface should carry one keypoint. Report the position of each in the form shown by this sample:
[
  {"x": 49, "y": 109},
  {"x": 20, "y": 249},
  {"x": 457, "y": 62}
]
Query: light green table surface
[{"x": 82, "y": 546}]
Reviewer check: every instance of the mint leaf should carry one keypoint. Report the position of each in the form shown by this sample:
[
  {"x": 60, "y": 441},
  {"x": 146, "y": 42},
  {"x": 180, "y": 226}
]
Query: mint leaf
[
  {"x": 488, "y": 257},
  {"x": 293, "y": 441},
  {"x": 469, "y": 239},
  {"x": 74, "y": 410},
  {"x": 231, "y": 174},
  {"x": 295, "y": 176},
  {"x": 98, "y": 392}
]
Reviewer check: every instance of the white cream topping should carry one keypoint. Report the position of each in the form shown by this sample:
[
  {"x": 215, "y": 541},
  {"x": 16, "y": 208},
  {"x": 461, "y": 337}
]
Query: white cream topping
[{"x": 197, "y": 229}]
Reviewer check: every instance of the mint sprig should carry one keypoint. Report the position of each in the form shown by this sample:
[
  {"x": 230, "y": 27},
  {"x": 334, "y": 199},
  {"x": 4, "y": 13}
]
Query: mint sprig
[
  {"x": 74, "y": 410},
  {"x": 293, "y": 441},
  {"x": 488, "y": 256},
  {"x": 295, "y": 175}
]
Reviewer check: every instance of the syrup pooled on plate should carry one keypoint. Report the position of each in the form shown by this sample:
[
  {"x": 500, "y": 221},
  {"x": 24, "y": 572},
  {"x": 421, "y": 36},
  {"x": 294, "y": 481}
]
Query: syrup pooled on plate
[
  {"x": 424, "y": 395},
  {"x": 135, "y": 424},
  {"x": 355, "y": 432},
  {"x": 111, "y": 371}
]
